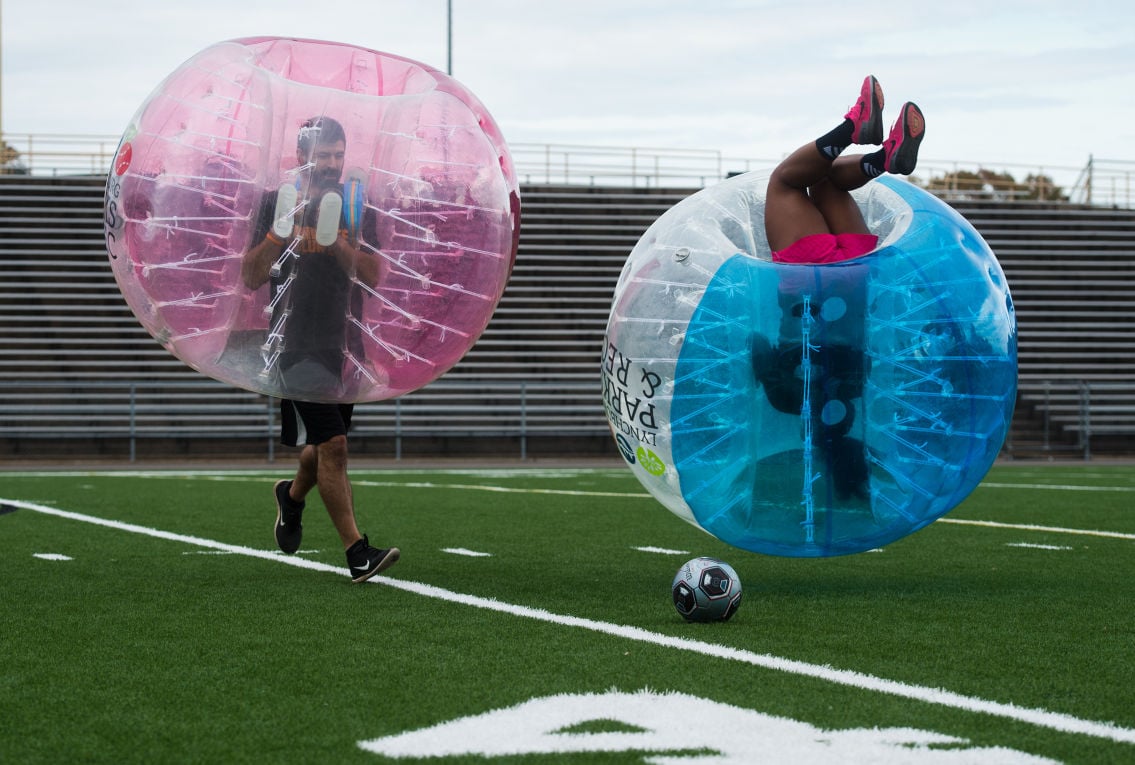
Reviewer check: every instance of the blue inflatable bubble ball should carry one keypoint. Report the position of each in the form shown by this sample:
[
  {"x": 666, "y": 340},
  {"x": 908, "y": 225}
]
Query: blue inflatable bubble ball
[{"x": 810, "y": 411}]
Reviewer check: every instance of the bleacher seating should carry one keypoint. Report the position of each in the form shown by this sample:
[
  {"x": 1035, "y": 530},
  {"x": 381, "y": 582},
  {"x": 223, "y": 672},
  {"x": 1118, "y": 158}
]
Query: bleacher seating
[
  {"x": 79, "y": 375},
  {"x": 1071, "y": 270}
]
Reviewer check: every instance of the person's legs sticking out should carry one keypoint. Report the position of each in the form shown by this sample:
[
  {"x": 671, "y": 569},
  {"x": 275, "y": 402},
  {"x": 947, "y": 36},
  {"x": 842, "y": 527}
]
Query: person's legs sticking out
[{"x": 810, "y": 216}]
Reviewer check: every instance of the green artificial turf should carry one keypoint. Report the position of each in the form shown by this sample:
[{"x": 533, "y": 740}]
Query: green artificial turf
[{"x": 140, "y": 648}]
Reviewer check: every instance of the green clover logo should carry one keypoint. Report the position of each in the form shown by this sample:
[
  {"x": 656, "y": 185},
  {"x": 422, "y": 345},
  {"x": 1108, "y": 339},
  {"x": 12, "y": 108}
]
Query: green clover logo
[{"x": 650, "y": 461}]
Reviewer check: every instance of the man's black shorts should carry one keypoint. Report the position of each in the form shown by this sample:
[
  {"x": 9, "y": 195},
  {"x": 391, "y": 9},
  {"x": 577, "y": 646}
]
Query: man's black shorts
[{"x": 304, "y": 422}]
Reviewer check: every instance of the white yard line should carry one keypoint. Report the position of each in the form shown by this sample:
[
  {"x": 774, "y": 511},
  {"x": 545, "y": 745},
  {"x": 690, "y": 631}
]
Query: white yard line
[
  {"x": 245, "y": 475},
  {"x": 226, "y": 475},
  {"x": 465, "y": 552},
  {"x": 1029, "y": 546},
  {"x": 660, "y": 550},
  {"x": 1046, "y": 529},
  {"x": 496, "y": 489},
  {"x": 1054, "y": 487},
  {"x": 1039, "y": 717}
]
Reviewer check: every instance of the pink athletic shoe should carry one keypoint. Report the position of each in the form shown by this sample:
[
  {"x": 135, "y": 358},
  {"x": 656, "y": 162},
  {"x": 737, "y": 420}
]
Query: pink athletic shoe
[
  {"x": 901, "y": 146},
  {"x": 867, "y": 113}
]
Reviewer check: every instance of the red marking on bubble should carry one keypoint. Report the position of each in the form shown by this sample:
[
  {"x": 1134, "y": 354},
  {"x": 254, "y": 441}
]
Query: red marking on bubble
[{"x": 122, "y": 161}]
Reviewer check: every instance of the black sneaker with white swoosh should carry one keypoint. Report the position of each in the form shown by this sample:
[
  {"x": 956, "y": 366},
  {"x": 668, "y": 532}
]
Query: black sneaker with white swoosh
[
  {"x": 366, "y": 561},
  {"x": 289, "y": 530}
]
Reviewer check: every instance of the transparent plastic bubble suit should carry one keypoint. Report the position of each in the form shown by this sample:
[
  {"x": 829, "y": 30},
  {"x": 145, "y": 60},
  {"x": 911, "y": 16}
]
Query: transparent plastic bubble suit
[
  {"x": 810, "y": 411},
  {"x": 423, "y": 192}
]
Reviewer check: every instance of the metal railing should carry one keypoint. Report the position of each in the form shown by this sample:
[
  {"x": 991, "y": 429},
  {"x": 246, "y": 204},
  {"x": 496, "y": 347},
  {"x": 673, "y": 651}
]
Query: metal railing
[
  {"x": 56, "y": 154},
  {"x": 1073, "y": 416},
  {"x": 133, "y": 412},
  {"x": 1101, "y": 182},
  {"x": 575, "y": 164},
  {"x": 1106, "y": 182}
]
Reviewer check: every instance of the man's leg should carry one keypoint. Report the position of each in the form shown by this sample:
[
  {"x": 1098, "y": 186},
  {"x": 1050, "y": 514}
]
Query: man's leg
[
  {"x": 323, "y": 466},
  {"x": 306, "y": 476},
  {"x": 323, "y": 463},
  {"x": 335, "y": 488},
  {"x": 363, "y": 560}
]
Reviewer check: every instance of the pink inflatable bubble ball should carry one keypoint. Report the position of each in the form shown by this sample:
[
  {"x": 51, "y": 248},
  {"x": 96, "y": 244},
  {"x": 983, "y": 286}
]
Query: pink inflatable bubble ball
[{"x": 312, "y": 220}]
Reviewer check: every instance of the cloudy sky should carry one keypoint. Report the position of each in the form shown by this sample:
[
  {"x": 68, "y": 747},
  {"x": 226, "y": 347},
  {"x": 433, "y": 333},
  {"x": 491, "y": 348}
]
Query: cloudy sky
[{"x": 1034, "y": 83}]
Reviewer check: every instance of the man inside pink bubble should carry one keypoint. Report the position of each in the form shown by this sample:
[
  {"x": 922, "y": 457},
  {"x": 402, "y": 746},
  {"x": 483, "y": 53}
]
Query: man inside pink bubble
[{"x": 308, "y": 248}]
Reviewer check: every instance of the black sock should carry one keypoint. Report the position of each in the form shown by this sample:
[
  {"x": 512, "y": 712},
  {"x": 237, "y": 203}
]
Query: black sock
[
  {"x": 874, "y": 164},
  {"x": 833, "y": 143},
  {"x": 293, "y": 504}
]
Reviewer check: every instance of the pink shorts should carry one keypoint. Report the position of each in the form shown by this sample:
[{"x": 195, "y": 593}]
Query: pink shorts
[{"x": 816, "y": 249}]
